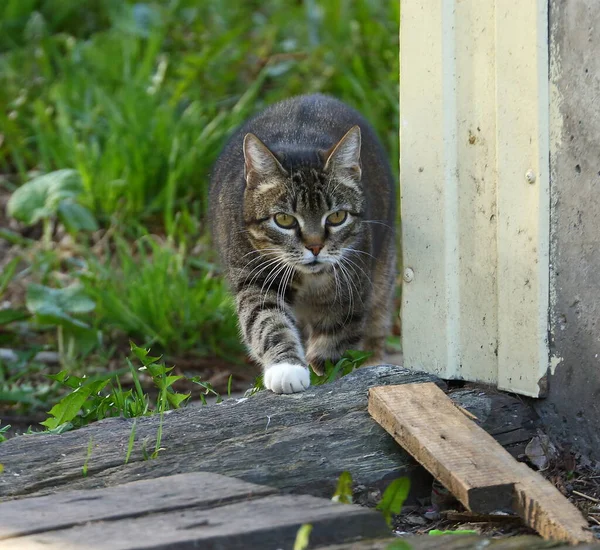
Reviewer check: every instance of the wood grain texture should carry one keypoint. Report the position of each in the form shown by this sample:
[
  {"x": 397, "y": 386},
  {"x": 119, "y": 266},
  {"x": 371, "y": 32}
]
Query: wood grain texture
[
  {"x": 453, "y": 448},
  {"x": 199, "y": 490},
  {"x": 546, "y": 510},
  {"x": 470, "y": 463},
  {"x": 247, "y": 517},
  {"x": 299, "y": 442}
]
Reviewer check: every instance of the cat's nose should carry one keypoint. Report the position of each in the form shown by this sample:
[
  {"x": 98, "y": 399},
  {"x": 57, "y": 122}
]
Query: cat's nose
[{"x": 315, "y": 248}]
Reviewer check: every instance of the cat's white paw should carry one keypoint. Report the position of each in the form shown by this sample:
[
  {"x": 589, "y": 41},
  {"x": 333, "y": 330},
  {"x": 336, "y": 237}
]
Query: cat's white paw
[{"x": 286, "y": 378}]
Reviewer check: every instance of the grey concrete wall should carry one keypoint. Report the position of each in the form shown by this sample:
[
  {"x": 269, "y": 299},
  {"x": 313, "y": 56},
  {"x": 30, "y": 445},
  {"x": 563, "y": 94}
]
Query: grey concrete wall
[{"x": 573, "y": 405}]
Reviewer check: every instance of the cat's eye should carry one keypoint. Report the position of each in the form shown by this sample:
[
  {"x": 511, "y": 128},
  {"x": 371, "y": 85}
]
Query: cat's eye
[
  {"x": 337, "y": 218},
  {"x": 285, "y": 220}
]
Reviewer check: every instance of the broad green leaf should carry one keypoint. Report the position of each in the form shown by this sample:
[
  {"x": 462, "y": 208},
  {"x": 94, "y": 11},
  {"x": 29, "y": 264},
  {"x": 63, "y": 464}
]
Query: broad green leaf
[
  {"x": 11, "y": 315},
  {"x": 393, "y": 498},
  {"x": 70, "y": 381},
  {"x": 54, "y": 305},
  {"x": 40, "y": 197},
  {"x": 69, "y": 406},
  {"x": 303, "y": 537},
  {"x": 176, "y": 399},
  {"x": 171, "y": 379},
  {"x": 343, "y": 492},
  {"x": 142, "y": 355},
  {"x": 76, "y": 217}
]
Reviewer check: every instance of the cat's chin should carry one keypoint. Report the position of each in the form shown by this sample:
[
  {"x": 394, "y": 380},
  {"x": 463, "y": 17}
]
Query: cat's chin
[{"x": 313, "y": 268}]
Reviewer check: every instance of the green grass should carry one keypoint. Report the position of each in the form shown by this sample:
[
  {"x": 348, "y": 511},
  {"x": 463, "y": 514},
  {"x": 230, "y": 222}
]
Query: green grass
[
  {"x": 162, "y": 295},
  {"x": 138, "y": 98},
  {"x": 142, "y": 96}
]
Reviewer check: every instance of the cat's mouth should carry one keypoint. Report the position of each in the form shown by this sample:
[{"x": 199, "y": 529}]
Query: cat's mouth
[{"x": 315, "y": 266}]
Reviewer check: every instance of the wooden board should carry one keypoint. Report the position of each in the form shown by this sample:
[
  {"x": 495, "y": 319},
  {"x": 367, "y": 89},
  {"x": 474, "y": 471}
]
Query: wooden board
[
  {"x": 200, "y": 490},
  {"x": 199, "y": 510},
  {"x": 456, "y": 451},
  {"x": 470, "y": 463},
  {"x": 546, "y": 510}
]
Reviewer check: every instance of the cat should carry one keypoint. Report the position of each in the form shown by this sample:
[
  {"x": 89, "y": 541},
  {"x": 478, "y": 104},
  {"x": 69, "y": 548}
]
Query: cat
[{"x": 302, "y": 206}]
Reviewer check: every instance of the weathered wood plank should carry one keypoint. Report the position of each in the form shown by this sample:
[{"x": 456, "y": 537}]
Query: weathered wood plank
[
  {"x": 199, "y": 490},
  {"x": 469, "y": 462},
  {"x": 299, "y": 442},
  {"x": 453, "y": 542},
  {"x": 266, "y": 523},
  {"x": 453, "y": 448},
  {"x": 546, "y": 510}
]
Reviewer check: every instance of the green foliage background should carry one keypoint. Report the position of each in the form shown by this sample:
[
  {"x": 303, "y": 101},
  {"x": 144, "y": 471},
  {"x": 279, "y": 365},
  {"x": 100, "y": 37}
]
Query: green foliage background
[{"x": 136, "y": 99}]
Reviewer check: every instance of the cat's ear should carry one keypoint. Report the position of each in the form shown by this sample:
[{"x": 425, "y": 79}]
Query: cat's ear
[
  {"x": 260, "y": 165},
  {"x": 345, "y": 155}
]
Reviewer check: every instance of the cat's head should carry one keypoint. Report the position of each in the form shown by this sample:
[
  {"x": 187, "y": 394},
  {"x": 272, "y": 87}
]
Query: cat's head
[{"x": 308, "y": 213}]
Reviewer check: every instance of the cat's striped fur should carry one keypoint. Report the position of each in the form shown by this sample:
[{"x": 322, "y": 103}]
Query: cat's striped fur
[{"x": 308, "y": 291}]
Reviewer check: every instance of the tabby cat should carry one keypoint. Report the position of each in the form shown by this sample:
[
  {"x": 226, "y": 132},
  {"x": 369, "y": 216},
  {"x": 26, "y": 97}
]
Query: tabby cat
[{"x": 302, "y": 205}]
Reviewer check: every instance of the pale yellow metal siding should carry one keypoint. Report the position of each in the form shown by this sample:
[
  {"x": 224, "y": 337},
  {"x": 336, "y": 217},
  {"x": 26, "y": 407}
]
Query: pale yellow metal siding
[{"x": 474, "y": 132}]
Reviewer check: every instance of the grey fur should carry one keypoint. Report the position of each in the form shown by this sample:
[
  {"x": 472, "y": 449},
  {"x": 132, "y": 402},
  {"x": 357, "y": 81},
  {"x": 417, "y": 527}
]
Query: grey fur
[{"x": 285, "y": 160}]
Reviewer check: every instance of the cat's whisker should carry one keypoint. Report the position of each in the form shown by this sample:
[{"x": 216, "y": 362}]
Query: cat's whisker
[
  {"x": 350, "y": 288},
  {"x": 287, "y": 278},
  {"x": 258, "y": 259},
  {"x": 351, "y": 279},
  {"x": 336, "y": 281},
  {"x": 271, "y": 277},
  {"x": 350, "y": 249},
  {"x": 378, "y": 223},
  {"x": 352, "y": 262},
  {"x": 262, "y": 251},
  {"x": 357, "y": 262},
  {"x": 261, "y": 268},
  {"x": 279, "y": 306},
  {"x": 281, "y": 280},
  {"x": 254, "y": 260}
]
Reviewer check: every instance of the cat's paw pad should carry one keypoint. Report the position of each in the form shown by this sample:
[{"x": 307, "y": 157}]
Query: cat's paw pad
[{"x": 286, "y": 378}]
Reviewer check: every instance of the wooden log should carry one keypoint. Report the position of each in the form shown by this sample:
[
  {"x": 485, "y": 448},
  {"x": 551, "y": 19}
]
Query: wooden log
[
  {"x": 198, "y": 510},
  {"x": 299, "y": 442},
  {"x": 467, "y": 460}
]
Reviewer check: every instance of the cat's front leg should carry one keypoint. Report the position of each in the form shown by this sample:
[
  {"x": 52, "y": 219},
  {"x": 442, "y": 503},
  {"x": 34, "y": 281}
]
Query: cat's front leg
[
  {"x": 331, "y": 344},
  {"x": 273, "y": 339}
]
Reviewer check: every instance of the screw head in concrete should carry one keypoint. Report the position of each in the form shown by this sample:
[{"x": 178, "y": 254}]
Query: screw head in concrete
[
  {"x": 409, "y": 275},
  {"x": 530, "y": 176}
]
